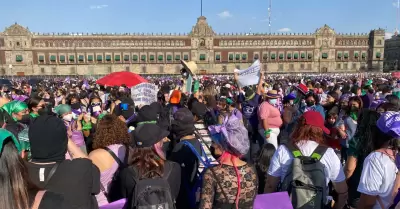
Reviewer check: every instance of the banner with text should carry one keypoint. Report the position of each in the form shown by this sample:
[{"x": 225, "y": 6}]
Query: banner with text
[
  {"x": 144, "y": 94},
  {"x": 250, "y": 76}
]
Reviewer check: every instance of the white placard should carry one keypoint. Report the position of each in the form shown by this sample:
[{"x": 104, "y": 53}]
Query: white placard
[
  {"x": 144, "y": 94},
  {"x": 250, "y": 76}
]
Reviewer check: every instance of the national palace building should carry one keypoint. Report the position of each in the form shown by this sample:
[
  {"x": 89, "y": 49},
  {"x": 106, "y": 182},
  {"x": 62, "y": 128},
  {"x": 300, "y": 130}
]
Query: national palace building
[{"x": 23, "y": 52}]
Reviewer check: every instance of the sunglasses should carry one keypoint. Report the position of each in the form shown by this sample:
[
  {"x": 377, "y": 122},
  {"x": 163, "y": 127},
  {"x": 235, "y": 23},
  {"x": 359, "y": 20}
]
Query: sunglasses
[{"x": 95, "y": 104}]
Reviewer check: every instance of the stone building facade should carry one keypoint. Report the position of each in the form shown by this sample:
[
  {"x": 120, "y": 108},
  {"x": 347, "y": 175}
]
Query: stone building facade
[
  {"x": 392, "y": 54},
  {"x": 25, "y": 53}
]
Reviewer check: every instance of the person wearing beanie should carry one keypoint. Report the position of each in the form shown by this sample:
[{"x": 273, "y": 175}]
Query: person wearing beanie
[
  {"x": 78, "y": 180},
  {"x": 183, "y": 129}
]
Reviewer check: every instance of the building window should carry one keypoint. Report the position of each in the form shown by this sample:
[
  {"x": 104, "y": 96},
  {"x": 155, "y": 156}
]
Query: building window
[
  {"x": 273, "y": 56},
  {"x": 19, "y": 58},
  {"x": 339, "y": 66},
  {"x": 310, "y": 55},
  {"x": 346, "y": 55},
  {"x": 303, "y": 55},
  {"x": 244, "y": 57},
  {"x": 256, "y": 57},
  {"x": 289, "y": 56},
  {"x": 161, "y": 70},
  {"x": 144, "y": 69},
  {"x": 18, "y": 43},
  {"x": 81, "y": 58},
  {"x": 363, "y": 55},
  {"x": 296, "y": 56},
  {"x": 379, "y": 42},
  {"x": 160, "y": 57},
  {"x": 71, "y": 58},
  {"x": 230, "y": 57},
  {"x": 52, "y": 58},
  {"x": 41, "y": 58},
  {"x": 108, "y": 58},
  {"x": 42, "y": 70},
  {"x": 177, "y": 57},
  {"x": 99, "y": 58},
  {"x": 378, "y": 55},
  {"x": 324, "y": 55},
  {"x": 126, "y": 58},
  {"x": 354, "y": 66},
  {"x": 281, "y": 56},
  {"x": 302, "y": 66},
  {"x": 143, "y": 58},
  {"x": 186, "y": 57},
  {"x": 127, "y": 69},
  {"x": 345, "y": 66},
  {"x": 151, "y": 57},
  {"x": 339, "y": 55},
  {"x": 90, "y": 58},
  {"x": 117, "y": 58},
  {"x": 265, "y": 56},
  {"x": 309, "y": 66},
  {"x": 169, "y": 57},
  {"x": 202, "y": 57},
  {"x": 280, "y": 67},
  {"x": 291, "y": 67},
  {"x": 237, "y": 57},
  {"x": 218, "y": 57},
  {"x": 224, "y": 69}
]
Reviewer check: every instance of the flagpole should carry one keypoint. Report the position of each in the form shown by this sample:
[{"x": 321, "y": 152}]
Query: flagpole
[{"x": 201, "y": 7}]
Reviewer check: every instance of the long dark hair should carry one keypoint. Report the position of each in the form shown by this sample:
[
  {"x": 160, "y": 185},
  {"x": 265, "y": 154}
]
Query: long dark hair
[
  {"x": 14, "y": 179},
  {"x": 366, "y": 131},
  {"x": 264, "y": 157},
  {"x": 147, "y": 162}
]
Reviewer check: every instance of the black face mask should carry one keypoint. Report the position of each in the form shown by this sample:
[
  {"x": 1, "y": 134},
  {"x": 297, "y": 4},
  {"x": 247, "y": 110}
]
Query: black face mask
[
  {"x": 310, "y": 103},
  {"x": 26, "y": 119},
  {"x": 43, "y": 111},
  {"x": 76, "y": 106},
  {"x": 212, "y": 151}
]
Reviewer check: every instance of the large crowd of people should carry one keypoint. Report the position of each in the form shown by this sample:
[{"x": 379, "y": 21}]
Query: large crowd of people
[{"x": 328, "y": 141}]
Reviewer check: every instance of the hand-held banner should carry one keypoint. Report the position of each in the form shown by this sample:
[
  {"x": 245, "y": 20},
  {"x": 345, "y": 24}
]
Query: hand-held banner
[
  {"x": 249, "y": 76},
  {"x": 144, "y": 94}
]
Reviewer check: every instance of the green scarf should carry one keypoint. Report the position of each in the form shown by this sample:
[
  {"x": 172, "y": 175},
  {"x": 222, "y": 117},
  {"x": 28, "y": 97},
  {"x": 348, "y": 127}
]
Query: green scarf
[
  {"x": 354, "y": 116},
  {"x": 33, "y": 115},
  {"x": 14, "y": 107}
]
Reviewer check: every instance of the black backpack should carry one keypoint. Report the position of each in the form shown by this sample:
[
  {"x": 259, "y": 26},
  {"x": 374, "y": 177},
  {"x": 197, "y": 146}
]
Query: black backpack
[
  {"x": 114, "y": 190},
  {"x": 152, "y": 193}
]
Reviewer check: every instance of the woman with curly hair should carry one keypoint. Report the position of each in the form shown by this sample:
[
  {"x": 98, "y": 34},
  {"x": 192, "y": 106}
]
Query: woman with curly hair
[
  {"x": 111, "y": 139},
  {"x": 307, "y": 139}
]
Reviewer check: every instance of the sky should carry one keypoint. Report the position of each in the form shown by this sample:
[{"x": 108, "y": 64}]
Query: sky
[{"x": 178, "y": 16}]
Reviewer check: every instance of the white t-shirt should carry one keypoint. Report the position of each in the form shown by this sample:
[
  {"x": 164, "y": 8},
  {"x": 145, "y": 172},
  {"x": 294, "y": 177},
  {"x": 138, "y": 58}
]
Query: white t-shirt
[
  {"x": 378, "y": 177},
  {"x": 282, "y": 160}
]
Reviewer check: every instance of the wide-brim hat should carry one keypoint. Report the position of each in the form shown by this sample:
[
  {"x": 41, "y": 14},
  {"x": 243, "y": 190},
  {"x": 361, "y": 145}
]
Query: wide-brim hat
[
  {"x": 190, "y": 66},
  {"x": 302, "y": 88},
  {"x": 273, "y": 94}
]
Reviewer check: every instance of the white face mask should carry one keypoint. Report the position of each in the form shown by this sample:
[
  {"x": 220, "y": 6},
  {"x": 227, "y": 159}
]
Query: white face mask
[
  {"x": 68, "y": 117},
  {"x": 96, "y": 109}
]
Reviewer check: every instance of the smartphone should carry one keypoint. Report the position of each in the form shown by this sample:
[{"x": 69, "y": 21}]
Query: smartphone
[{"x": 123, "y": 106}]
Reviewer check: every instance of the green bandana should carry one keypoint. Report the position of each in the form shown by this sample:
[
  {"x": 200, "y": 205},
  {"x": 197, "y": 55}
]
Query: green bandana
[
  {"x": 4, "y": 134},
  {"x": 354, "y": 116},
  {"x": 196, "y": 86},
  {"x": 33, "y": 115},
  {"x": 147, "y": 122},
  {"x": 14, "y": 107}
]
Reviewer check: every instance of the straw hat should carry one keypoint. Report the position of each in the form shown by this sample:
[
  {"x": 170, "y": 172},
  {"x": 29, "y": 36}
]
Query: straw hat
[
  {"x": 273, "y": 94},
  {"x": 190, "y": 66}
]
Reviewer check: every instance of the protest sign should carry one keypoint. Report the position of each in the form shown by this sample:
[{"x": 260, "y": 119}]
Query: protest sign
[
  {"x": 249, "y": 76},
  {"x": 144, "y": 94}
]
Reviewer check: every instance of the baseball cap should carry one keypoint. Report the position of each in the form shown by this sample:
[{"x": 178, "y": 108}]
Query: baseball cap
[
  {"x": 147, "y": 135},
  {"x": 314, "y": 118},
  {"x": 389, "y": 123}
]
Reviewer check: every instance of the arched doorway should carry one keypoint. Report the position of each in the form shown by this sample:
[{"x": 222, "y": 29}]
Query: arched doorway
[{"x": 324, "y": 70}]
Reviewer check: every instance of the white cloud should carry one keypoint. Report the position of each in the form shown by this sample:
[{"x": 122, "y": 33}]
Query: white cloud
[
  {"x": 395, "y": 4},
  {"x": 388, "y": 35},
  {"x": 284, "y": 30},
  {"x": 98, "y": 6},
  {"x": 225, "y": 14}
]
